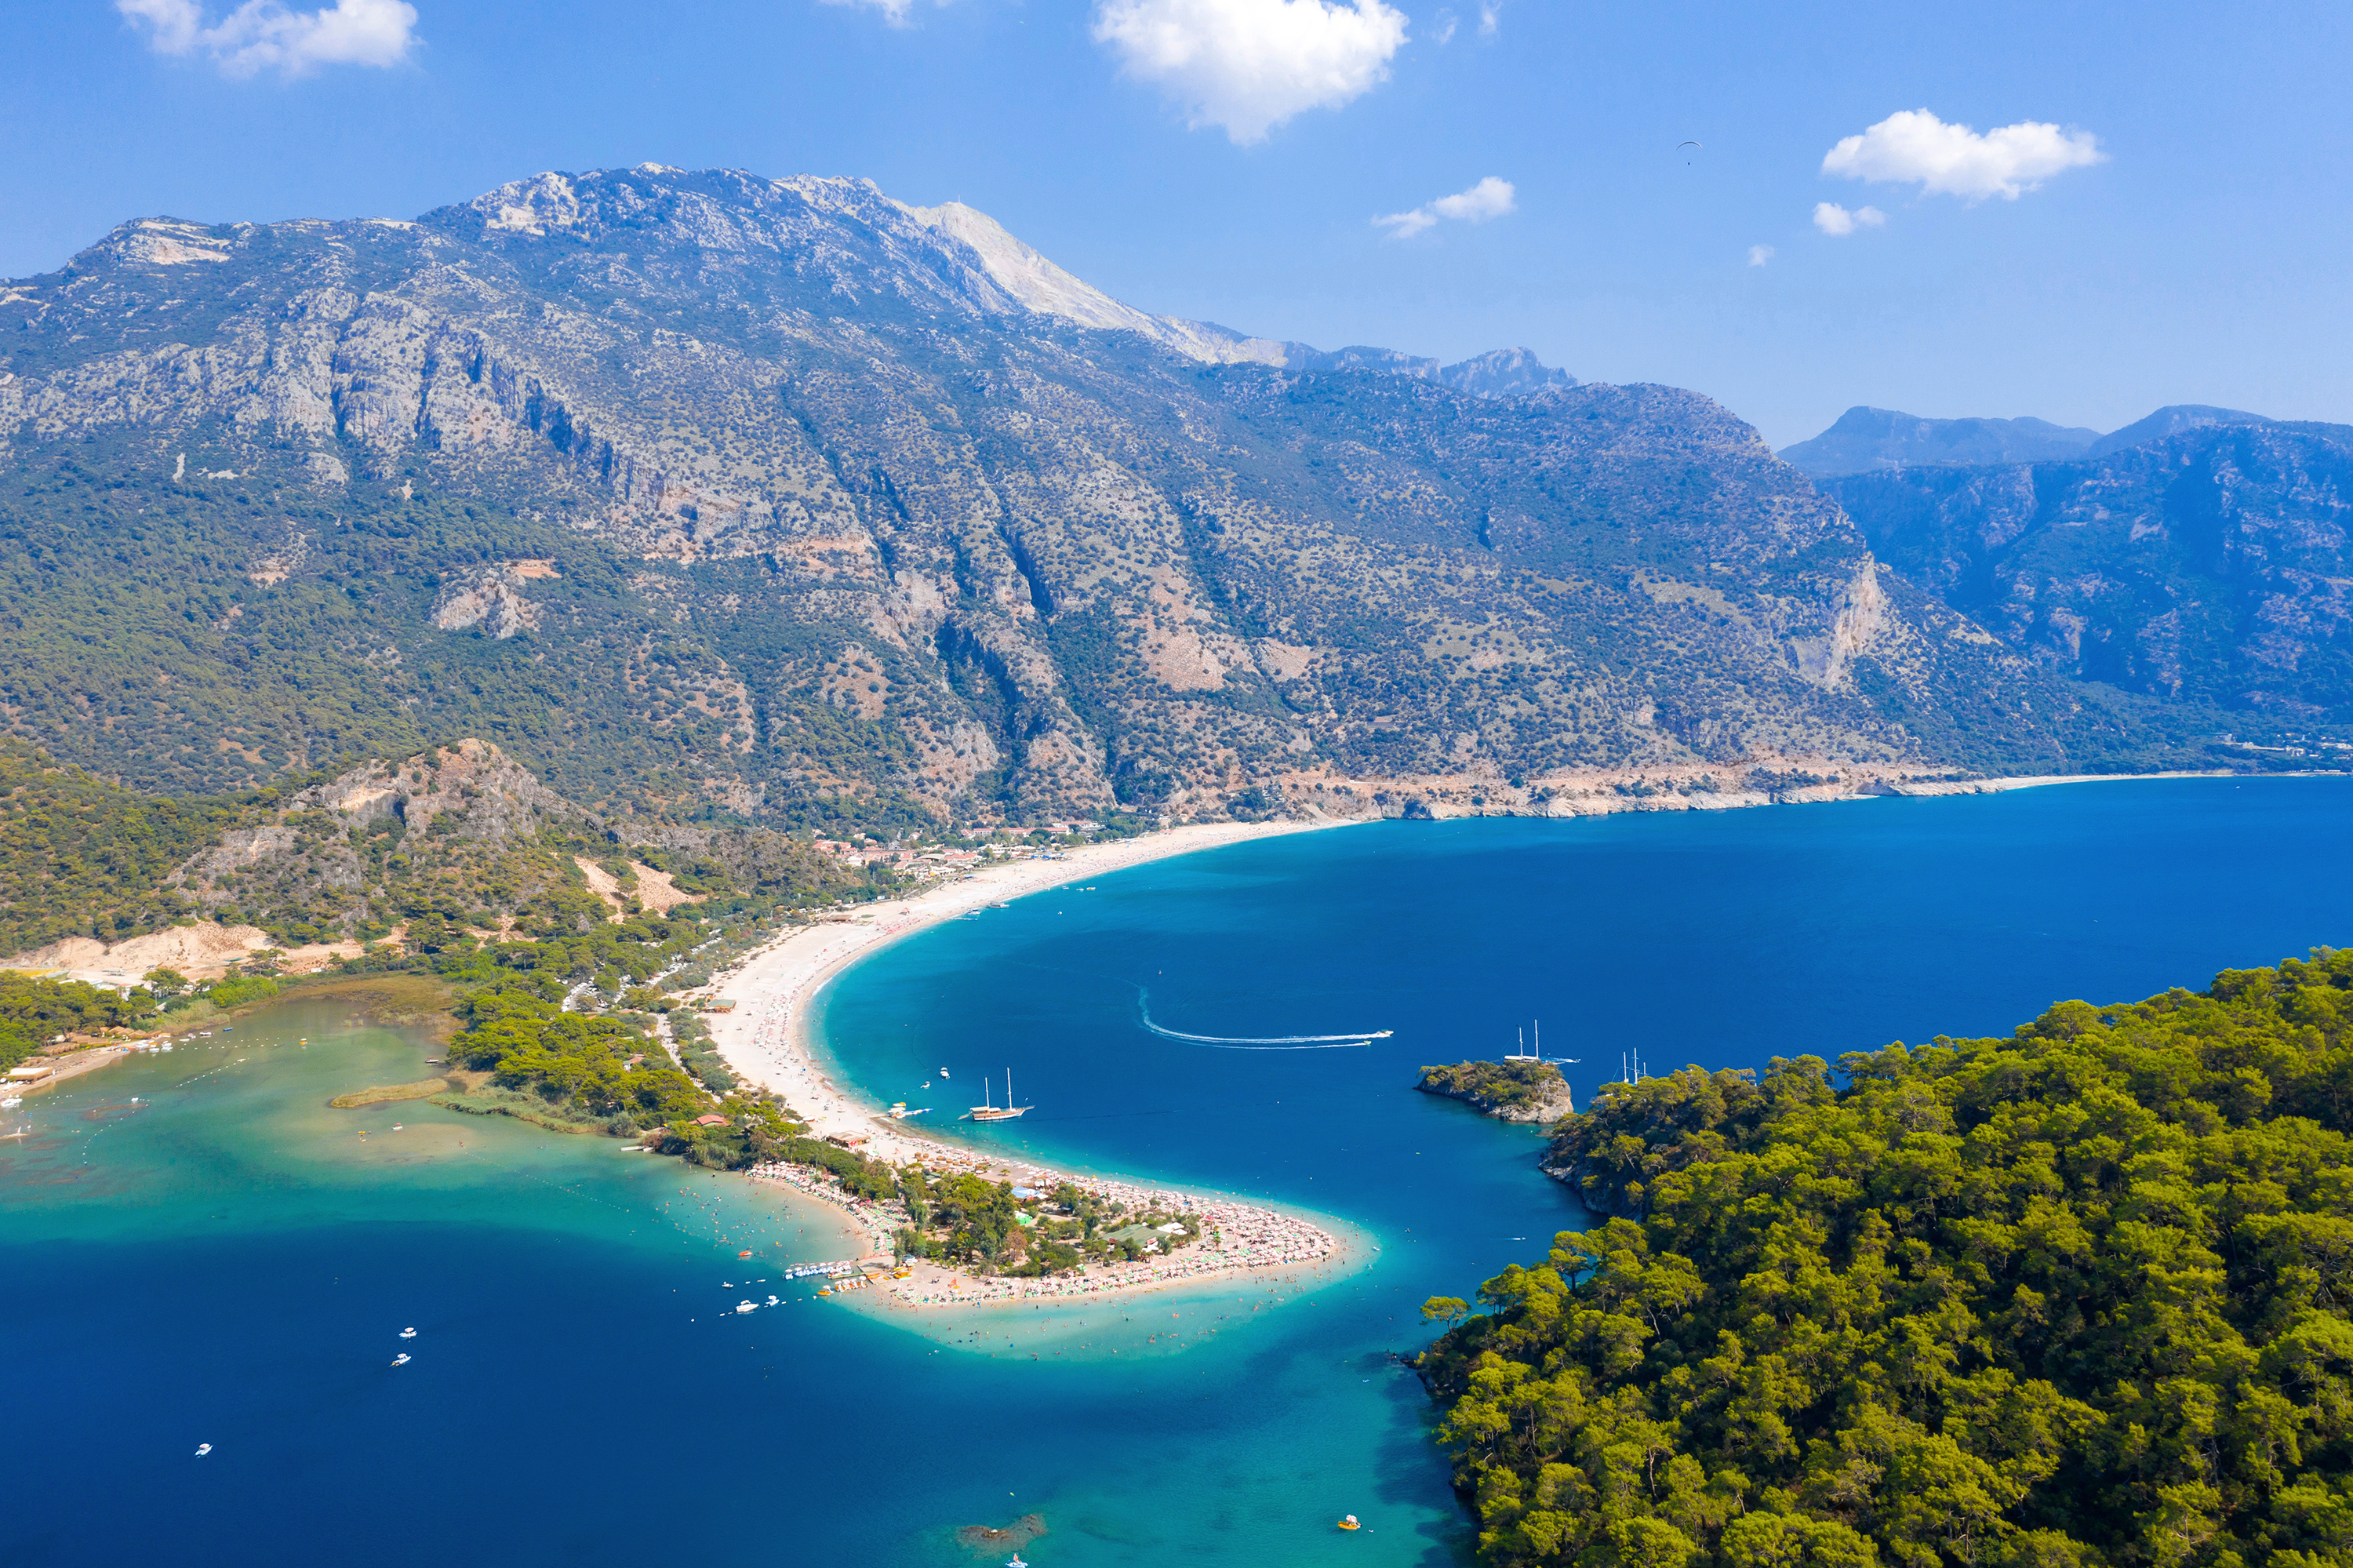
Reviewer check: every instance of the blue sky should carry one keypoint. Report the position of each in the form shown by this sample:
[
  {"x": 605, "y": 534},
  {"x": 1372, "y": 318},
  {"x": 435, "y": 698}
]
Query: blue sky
[{"x": 1227, "y": 160}]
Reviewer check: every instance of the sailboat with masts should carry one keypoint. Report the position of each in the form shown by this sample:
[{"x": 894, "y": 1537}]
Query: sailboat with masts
[
  {"x": 1006, "y": 1112},
  {"x": 1525, "y": 1055}
]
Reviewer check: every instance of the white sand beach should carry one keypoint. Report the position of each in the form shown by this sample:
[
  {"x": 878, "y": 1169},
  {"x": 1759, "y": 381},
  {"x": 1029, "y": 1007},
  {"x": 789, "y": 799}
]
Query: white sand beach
[{"x": 766, "y": 1041}]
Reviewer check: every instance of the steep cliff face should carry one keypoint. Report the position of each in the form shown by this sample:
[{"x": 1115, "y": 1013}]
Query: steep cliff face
[
  {"x": 779, "y": 495},
  {"x": 2209, "y": 563}
]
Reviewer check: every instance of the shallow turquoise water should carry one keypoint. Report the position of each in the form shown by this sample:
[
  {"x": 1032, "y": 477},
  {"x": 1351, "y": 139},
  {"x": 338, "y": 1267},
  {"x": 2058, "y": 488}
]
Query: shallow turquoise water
[{"x": 193, "y": 1249}]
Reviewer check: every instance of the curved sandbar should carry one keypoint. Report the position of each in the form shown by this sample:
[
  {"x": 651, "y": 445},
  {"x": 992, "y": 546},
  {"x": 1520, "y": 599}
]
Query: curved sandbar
[{"x": 765, "y": 1040}]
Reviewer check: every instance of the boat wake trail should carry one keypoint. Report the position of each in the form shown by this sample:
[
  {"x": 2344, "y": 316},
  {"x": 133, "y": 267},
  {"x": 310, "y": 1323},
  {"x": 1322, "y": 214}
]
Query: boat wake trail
[{"x": 1261, "y": 1041}]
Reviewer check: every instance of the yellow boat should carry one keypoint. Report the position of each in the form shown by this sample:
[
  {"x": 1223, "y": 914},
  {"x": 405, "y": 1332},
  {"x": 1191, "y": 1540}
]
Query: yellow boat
[{"x": 1350, "y": 1523}]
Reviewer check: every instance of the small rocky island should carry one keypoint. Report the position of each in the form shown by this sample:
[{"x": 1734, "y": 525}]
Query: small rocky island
[{"x": 1509, "y": 1091}]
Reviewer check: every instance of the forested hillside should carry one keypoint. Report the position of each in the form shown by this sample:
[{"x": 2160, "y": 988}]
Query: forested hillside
[
  {"x": 2070, "y": 1298},
  {"x": 452, "y": 839},
  {"x": 79, "y": 856}
]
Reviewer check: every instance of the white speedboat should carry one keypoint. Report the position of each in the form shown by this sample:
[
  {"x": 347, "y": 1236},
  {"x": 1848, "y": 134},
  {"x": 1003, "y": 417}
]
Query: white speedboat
[
  {"x": 401, "y": 1359},
  {"x": 748, "y": 1307},
  {"x": 408, "y": 1333},
  {"x": 203, "y": 1449}
]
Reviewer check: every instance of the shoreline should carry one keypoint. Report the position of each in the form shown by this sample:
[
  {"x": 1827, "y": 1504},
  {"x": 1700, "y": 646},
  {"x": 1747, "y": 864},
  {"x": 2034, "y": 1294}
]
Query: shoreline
[
  {"x": 767, "y": 1041},
  {"x": 80, "y": 1059},
  {"x": 1598, "y": 794}
]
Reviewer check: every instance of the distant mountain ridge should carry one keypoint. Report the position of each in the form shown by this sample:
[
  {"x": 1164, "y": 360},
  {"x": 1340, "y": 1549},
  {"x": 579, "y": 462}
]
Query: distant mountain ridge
[
  {"x": 2196, "y": 555},
  {"x": 1868, "y": 439},
  {"x": 1865, "y": 439}
]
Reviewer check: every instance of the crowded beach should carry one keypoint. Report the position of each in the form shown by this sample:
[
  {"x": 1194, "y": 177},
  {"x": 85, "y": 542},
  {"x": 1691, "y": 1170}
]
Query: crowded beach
[{"x": 765, "y": 1038}]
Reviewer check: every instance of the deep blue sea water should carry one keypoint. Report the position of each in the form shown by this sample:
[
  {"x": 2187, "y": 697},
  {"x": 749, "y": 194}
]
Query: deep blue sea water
[{"x": 193, "y": 1248}]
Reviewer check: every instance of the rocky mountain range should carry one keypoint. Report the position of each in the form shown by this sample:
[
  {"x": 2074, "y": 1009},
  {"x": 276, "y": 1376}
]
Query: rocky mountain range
[
  {"x": 2198, "y": 555},
  {"x": 703, "y": 492}
]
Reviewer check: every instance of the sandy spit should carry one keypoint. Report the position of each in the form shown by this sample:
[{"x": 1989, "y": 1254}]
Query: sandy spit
[{"x": 766, "y": 1041}]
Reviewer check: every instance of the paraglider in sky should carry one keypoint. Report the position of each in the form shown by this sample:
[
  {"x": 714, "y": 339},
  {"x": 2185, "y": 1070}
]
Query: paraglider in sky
[{"x": 1681, "y": 145}]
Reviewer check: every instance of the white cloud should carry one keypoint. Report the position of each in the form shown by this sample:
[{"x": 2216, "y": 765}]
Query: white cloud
[
  {"x": 1913, "y": 146},
  {"x": 894, "y": 12},
  {"x": 1490, "y": 18},
  {"x": 1760, "y": 254},
  {"x": 1490, "y": 198},
  {"x": 1445, "y": 23},
  {"x": 1250, "y": 65},
  {"x": 1832, "y": 219},
  {"x": 174, "y": 23},
  {"x": 262, "y": 35}
]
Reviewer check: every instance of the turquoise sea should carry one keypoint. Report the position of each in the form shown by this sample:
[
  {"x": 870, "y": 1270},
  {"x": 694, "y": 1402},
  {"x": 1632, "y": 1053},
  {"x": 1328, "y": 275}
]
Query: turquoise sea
[{"x": 194, "y": 1249}]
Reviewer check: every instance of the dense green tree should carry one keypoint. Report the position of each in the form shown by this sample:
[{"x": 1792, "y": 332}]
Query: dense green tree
[
  {"x": 34, "y": 1012},
  {"x": 2071, "y": 1297}
]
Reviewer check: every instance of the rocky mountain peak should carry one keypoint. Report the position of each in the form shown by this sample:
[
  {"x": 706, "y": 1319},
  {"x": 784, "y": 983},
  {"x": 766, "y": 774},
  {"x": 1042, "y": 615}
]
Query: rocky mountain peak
[
  {"x": 485, "y": 793},
  {"x": 1504, "y": 372},
  {"x": 2171, "y": 420}
]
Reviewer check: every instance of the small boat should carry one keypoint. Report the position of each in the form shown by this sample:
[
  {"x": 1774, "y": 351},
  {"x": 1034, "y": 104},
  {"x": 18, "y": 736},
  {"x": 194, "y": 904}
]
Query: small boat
[
  {"x": 943, "y": 1072},
  {"x": 408, "y": 1333},
  {"x": 748, "y": 1307},
  {"x": 742, "y": 1255},
  {"x": 1014, "y": 1561},
  {"x": 1349, "y": 1522},
  {"x": 203, "y": 1449},
  {"x": 401, "y": 1359}
]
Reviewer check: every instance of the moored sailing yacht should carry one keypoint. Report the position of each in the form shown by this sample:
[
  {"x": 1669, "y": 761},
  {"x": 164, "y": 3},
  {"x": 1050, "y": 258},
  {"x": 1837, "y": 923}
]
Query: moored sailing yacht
[{"x": 1006, "y": 1112}]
